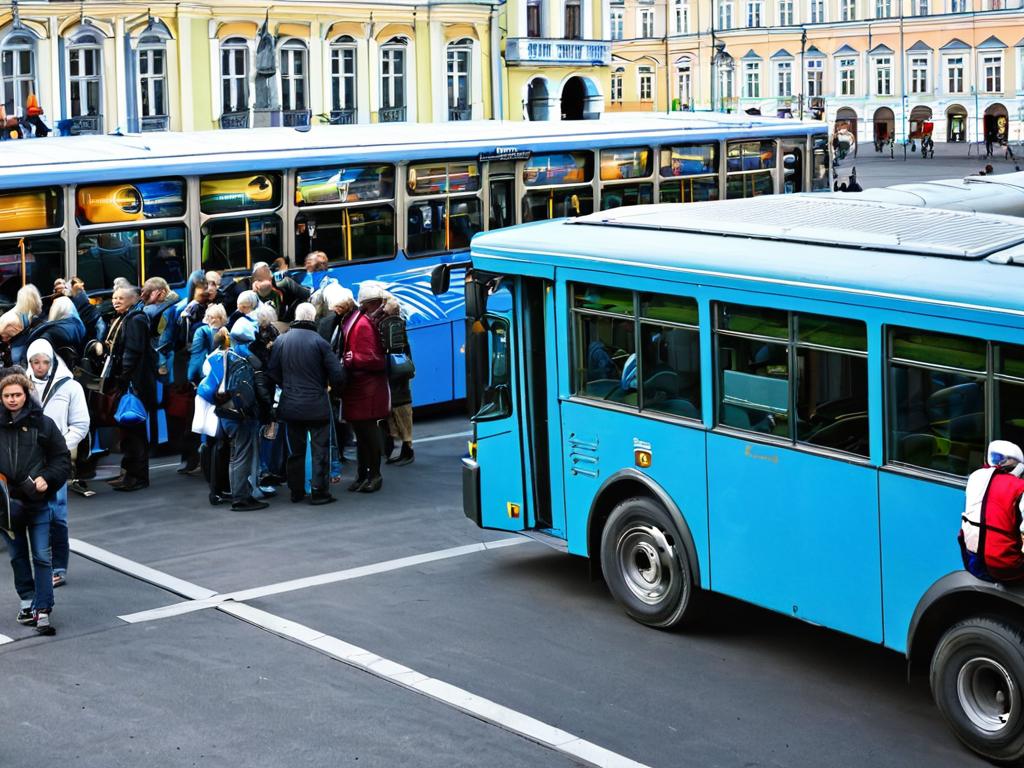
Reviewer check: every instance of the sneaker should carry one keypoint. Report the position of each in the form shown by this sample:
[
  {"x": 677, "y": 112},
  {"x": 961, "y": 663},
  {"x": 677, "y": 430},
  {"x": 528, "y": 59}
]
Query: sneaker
[
  {"x": 248, "y": 505},
  {"x": 43, "y": 625},
  {"x": 59, "y": 580},
  {"x": 27, "y": 617}
]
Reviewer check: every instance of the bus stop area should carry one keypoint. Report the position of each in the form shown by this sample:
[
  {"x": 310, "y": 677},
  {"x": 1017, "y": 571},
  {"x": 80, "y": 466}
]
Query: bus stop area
[{"x": 388, "y": 630}]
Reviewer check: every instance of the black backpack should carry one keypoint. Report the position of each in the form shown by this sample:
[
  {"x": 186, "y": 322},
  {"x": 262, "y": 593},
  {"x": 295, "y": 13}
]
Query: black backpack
[{"x": 395, "y": 341}]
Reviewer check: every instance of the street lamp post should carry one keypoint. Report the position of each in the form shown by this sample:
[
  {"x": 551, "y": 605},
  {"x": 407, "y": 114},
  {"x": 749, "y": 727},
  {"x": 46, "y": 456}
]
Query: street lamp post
[{"x": 717, "y": 60}]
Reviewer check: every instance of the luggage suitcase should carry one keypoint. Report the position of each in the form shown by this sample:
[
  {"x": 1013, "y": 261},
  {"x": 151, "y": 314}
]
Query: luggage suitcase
[{"x": 214, "y": 460}]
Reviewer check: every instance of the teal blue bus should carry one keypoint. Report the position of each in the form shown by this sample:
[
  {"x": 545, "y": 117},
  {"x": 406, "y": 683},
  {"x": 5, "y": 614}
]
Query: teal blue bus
[{"x": 777, "y": 399}]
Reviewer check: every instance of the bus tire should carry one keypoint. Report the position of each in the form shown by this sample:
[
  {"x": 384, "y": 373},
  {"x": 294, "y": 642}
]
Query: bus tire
[
  {"x": 644, "y": 564},
  {"x": 977, "y": 680}
]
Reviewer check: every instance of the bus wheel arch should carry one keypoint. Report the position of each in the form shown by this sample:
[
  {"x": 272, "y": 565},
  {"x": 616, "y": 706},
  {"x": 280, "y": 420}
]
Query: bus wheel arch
[{"x": 632, "y": 518}]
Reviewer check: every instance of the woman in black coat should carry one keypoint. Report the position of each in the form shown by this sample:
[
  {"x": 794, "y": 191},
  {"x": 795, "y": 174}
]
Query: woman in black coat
[{"x": 35, "y": 462}]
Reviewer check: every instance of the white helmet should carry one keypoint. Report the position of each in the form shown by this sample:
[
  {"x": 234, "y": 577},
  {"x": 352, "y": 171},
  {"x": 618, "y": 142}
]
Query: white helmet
[{"x": 1003, "y": 453}]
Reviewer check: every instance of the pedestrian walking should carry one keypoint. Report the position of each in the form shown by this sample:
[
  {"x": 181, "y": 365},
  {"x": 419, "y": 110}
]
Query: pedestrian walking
[
  {"x": 35, "y": 462},
  {"x": 302, "y": 365},
  {"x": 63, "y": 401}
]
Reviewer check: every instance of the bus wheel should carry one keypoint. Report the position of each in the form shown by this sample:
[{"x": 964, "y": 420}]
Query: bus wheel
[
  {"x": 977, "y": 675},
  {"x": 644, "y": 565}
]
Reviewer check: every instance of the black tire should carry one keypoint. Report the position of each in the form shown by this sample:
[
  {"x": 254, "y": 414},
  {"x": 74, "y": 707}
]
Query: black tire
[
  {"x": 977, "y": 680},
  {"x": 645, "y": 564}
]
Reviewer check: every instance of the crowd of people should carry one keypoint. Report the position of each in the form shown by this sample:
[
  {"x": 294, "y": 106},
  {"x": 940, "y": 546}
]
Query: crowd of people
[{"x": 264, "y": 381}]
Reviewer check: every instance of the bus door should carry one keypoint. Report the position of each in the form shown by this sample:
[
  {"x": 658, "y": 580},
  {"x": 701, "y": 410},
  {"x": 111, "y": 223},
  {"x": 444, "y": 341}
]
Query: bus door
[
  {"x": 502, "y": 193},
  {"x": 505, "y": 480}
]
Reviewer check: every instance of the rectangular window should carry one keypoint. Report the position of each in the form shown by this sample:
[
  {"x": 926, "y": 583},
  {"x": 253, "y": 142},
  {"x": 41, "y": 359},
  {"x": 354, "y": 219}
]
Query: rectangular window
[
  {"x": 452, "y": 215},
  {"x": 817, "y": 13},
  {"x": 681, "y": 17},
  {"x": 883, "y": 76},
  {"x": 646, "y": 22},
  {"x": 573, "y": 20},
  {"x": 785, "y": 13},
  {"x": 646, "y": 84},
  {"x": 922, "y": 8},
  {"x": 750, "y": 168},
  {"x": 992, "y": 69},
  {"x": 558, "y": 202},
  {"x": 794, "y": 152},
  {"x": 755, "y": 13},
  {"x": 689, "y": 173},
  {"x": 84, "y": 71},
  {"x": 684, "y": 86},
  {"x": 234, "y": 74},
  {"x": 849, "y": 10},
  {"x": 347, "y": 233},
  {"x": 784, "y": 79},
  {"x": 343, "y": 78},
  {"x": 796, "y": 376},
  {"x": 616, "y": 87},
  {"x": 616, "y": 195},
  {"x": 883, "y": 9},
  {"x": 293, "y": 76},
  {"x": 40, "y": 258},
  {"x": 458, "y": 80},
  {"x": 815, "y": 76},
  {"x": 238, "y": 243},
  {"x": 664, "y": 377},
  {"x": 134, "y": 201},
  {"x": 392, "y": 79},
  {"x": 752, "y": 80},
  {"x": 17, "y": 76},
  {"x": 848, "y": 77},
  {"x": 346, "y": 184},
  {"x": 626, "y": 163},
  {"x": 955, "y": 74},
  {"x": 23, "y": 211},
  {"x": 533, "y": 18},
  {"x": 135, "y": 254},
  {"x": 958, "y": 6},
  {"x": 559, "y": 168},
  {"x": 615, "y": 27},
  {"x": 153, "y": 82},
  {"x": 725, "y": 14},
  {"x": 820, "y": 168},
  {"x": 252, "y": 191},
  {"x": 919, "y": 74}
]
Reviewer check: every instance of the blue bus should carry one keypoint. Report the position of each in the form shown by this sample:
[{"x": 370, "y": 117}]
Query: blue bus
[
  {"x": 777, "y": 399},
  {"x": 384, "y": 202}
]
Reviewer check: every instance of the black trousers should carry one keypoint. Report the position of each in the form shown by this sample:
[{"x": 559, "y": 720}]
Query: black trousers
[
  {"x": 135, "y": 450},
  {"x": 368, "y": 447},
  {"x": 319, "y": 435}
]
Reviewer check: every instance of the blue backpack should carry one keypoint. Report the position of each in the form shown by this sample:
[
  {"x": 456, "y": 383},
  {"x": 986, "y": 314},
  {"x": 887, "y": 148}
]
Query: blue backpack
[{"x": 238, "y": 400}]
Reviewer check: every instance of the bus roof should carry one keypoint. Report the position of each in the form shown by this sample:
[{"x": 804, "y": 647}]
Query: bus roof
[
  {"x": 953, "y": 258},
  {"x": 106, "y": 158}
]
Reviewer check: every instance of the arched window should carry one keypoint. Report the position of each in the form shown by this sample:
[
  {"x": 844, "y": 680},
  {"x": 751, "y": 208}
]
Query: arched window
[
  {"x": 343, "y": 80},
  {"x": 17, "y": 71},
  {"x": 151, "y": 64},
  {"x": 393, "y": 81},
  {"x": 234, "y": 75},
  {"x": 293, "y": 75},
  {"x": 460, "y": 57},
  {"x": 85, "y": 80}
]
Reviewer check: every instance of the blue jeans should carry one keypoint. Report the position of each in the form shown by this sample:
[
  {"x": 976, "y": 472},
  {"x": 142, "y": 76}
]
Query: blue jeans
[
  {"x": 36, "y": 536},
  {"x": 59, "y": 531},
  {"x": 244, "y": 465}
]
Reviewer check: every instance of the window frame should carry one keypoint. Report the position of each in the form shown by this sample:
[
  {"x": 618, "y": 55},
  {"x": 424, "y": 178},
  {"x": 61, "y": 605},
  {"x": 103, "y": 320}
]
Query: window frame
[
  {"x": 152, "y": 49},
  {"x": 394, "y": 84},
  {"x": 459, "y": 72},
  {"x": 293, "y": 55},
  {"x": 236, "y": 82},
  {"x": 449, "y": 198},
  {"x": 344, "y": 84},
  {"x": 14, "y": 44},
  {"x": 83, "y": 47}
]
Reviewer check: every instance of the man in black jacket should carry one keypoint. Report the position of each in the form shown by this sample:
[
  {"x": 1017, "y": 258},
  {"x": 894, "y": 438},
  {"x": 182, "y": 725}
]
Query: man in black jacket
[
  {"x": 302, "y": 364},
  {"x": 132, "y": 364}
]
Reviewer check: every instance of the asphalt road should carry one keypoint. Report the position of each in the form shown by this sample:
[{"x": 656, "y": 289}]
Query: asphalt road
[{"x": 521, "y": 626}]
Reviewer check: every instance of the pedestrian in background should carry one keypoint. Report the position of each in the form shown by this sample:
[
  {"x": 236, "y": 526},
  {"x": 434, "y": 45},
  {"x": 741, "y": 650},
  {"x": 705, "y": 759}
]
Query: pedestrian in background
[{"x": 395, "y": 340}]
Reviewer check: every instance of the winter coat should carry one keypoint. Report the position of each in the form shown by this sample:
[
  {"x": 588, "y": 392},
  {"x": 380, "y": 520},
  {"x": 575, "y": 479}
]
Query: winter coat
[
  {"x": 62, "y": 398},
  {"x": 244, "y": 331},
  {"x": 90, "y": 315},
  {"x": 202, "y": 345},
  {"x": 367, "y": 395},
  {"x": 66, "y": 333},
  {"x": 265, "y": 338},
  {"x": 134, "y": 358},
  {"x": 302, "y": 364},
  {"x": 32, "y": 446}
]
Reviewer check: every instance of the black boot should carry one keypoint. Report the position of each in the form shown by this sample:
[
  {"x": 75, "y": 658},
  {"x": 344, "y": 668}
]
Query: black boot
[{"x": 407, "y": 456}]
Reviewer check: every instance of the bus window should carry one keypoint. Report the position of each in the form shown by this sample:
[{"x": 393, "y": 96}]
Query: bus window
[
  {"x": 819, "y": 159},
  {"x": 937, "y": 400},
  {"x": 502, "y": 212},
  {"x": 349, "y": 184},
  {"x": 793, "y": 151},
  {"x": 670, "y": 355},
  {"x": 625, "y": 163},
  {"x": 40, "y": 258},
  {"x": 557, "y": 203},
  {"x": 615, "y": 195},
  {"x": 135, "y": 201},
  {"x": 29, "y": 210},
  {"x": 689, "y": 173},
  {"x": 135, "y": 254},
  {"x": 354, "y": 233},
  {"x": 749, "y": 168},
  {"x": 231, "y": 194},
  {"x": 240, "y": 243},
  {"x": 605, "y": 351},
  {"x": 496, "y": 398},
  {"x": 559, "y": 168},
  {"x": 448, "y": 219},
  {"x": 1009, "y": 400}
]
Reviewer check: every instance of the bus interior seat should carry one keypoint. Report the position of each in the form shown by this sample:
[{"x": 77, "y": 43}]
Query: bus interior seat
[
  {"x": 662, "y": 385},
  {"x": 679, "y": 407},
  {"x": 919, "y": 449},
  {"x": 954, "y": 401},
  {"x": 847, "y": 433},
  {"x": 601, "y": 387}
]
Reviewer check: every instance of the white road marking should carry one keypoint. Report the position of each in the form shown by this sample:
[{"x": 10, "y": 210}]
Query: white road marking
[
  {"x": 432, "y": 438},
  {"x": 5, "y": 639},
  {"x": 140, "y": 571},
  {"x": 458, "y": 698},
  {"x": 214, "y": 600}
]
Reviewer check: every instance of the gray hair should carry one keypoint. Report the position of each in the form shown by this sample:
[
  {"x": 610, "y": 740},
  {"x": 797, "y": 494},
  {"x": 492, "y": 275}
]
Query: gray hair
[
  {"x": 266, "y": 315},
  {"x": 62, "y": 307},
  {"x": 249, "y": 298},
  {"x": 305, "y": 312},
  {"x": 216, "y": 310}
]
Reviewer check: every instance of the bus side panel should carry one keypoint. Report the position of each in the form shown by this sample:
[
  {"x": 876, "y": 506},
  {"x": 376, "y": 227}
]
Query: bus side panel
[
  {"x": 432, "y": 351},
  {"x": 796, "y": 532},
  {"x": 458, "y": 349},
  {"x": 598, "y": 442},
  {"x": 920, "y": 521}
]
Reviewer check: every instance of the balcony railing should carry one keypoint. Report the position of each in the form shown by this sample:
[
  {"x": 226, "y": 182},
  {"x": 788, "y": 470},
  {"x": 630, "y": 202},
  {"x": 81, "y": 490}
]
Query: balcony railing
[
  {"x": 84, "y": 124},
  {"x": 343, "y": 117},
  {"x": 295, "y": 118},
  {"x": 543, "y": 50},
  {"x": 391, "y": 115},
  {"x": 235, "y": 120},
  {"x": 155, "y": 123},
  {"x": 460, "y": 113}
]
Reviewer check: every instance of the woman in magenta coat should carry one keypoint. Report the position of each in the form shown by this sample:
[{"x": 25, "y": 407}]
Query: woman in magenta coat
[{"x": 366, "y": 398}]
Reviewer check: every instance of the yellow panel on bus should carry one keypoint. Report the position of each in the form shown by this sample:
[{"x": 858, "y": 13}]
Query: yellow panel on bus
[{"x": 34, "y": 209}]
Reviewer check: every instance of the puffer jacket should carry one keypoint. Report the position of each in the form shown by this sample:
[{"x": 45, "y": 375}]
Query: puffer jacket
[
  {"x": 302, "y": 364},
  {"x": 62, "y": 398},
  {"x": 32, "y": 446}
]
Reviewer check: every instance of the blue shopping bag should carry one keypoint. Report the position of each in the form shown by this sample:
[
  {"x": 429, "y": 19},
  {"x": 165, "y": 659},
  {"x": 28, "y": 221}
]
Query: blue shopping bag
[{"x": 130, "y": 410}]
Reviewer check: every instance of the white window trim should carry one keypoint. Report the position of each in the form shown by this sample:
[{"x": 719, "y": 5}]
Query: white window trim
[
  {"x": 95, "y": 43},
  {"x": 982, "y": 79},
  {"x": 297, "y": 48},
  {"x": 778, "y": 71},
  {"x": 929, "y": 74},
  {"x": 235, "y": 43},
  {"x": 856, "y": 76}
]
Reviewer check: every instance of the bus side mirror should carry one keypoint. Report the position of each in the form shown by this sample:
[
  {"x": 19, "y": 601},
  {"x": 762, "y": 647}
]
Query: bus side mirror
[
  {"x": 476, "y": 299},
  {"x": 440, "y": 279}
]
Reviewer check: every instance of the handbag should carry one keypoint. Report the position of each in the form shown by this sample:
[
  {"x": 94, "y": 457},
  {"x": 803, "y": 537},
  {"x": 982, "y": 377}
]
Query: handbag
[
  {"x": 178, "y": 401},
  {"x": 400, "y": 366},
  {"x": 205, "y": 421},
  {"x": 130, "y": 410}
]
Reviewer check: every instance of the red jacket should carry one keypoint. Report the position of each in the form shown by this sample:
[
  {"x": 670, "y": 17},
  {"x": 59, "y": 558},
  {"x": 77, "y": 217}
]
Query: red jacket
[{"x": 367, "y": 394}]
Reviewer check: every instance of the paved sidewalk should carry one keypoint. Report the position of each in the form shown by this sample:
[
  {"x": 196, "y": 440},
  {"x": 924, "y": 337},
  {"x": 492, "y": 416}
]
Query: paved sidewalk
[{"x": 951, "y": 161}]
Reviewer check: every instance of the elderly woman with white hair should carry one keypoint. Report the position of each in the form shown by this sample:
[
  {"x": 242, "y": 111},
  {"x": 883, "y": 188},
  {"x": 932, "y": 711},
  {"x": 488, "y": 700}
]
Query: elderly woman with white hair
[
  {"x": 340, "y": 303},
  {"x": 245, "y": 324}
]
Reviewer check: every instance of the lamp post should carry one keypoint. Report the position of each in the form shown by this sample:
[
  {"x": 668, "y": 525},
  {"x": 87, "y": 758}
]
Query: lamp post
[{"x": 717, "y": 60}]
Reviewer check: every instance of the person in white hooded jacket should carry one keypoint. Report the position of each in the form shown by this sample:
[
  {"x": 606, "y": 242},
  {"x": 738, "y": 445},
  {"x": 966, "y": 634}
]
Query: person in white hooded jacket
[{"x": 63, "y": 400}]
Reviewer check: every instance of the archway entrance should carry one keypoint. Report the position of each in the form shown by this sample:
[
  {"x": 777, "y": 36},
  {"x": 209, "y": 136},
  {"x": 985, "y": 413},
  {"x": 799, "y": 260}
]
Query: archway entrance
[
  {"x": 956, "y": 123},
  {"x": 580, "y": 99},
  {"x": 920, "y": 122},
  {"x": 846, "y": 118},
  {"x": 537, "y": 99},
  {"x": 997, "y": 123},
  {"x": 884, "y": 124}
]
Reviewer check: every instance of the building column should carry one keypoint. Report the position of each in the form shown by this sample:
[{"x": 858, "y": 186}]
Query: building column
[
  {"x": 120, "y": 82},
  {"x": 366, "y": 80},
  {"x": 437, "y": 55}
]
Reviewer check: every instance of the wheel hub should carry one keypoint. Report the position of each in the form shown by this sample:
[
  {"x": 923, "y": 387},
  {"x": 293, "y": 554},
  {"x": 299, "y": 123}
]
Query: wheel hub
[
  {"x": 988, "y": 695},
  {"x": 645, "y": 562}
]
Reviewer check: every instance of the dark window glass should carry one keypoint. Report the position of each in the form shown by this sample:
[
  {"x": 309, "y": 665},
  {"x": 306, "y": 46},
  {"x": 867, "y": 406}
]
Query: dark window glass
[
  {"x": 741, "y": 185},
  {"x": 670, "y": 363},
  {"x": 1009, "y": 360},
  {"x": 1009, "y": 418},
  {"x": 606, "y": 359},
  {"x": 43, "y": 263},
  {"x": 135, "y": 201},
  {"x": 693, "y": 189},
  {"x": 672, "y": 309},
  {"x": 347, "y": 234},
  {"x": 442, "y": 224},
  {"x": 496, "y": 399},
  {"x": 832, "y": 400},
  {"x": 755, "y": 320},
  {"x": 832, "y": 332},
  {"x": 240, "y": 243},
  {"x": 559, "y": 168},
  {"x": 558, "y": 203},
  {"x": 793, "y": 152},
  {"x": 819, "y": 170},
  {"x": 601, "y": 299},
  {"x": 249, "y": 192},
  {"x": 689, "y": 160},
  {"x": 351, "y": 184},
  {"x": 625, "y": 163},
  {"x": 754, "y": 384},
  {"x": 106, "y": 255},
  {"x": 31, "y": 209},
  {"x": 626, "y": 194},
  {"x": 942, "y": 349},
  {"x": 750, "y": 156}
]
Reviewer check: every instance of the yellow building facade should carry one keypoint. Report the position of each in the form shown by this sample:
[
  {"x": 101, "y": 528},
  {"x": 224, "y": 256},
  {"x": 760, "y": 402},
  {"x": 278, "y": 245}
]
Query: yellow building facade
[
  {"x": 102, "y": 66},
  {"x": 887, "y": 69}
]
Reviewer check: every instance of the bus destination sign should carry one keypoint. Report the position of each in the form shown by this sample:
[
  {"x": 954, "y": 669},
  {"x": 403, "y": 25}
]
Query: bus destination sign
[{"x": 505, "y": 153}]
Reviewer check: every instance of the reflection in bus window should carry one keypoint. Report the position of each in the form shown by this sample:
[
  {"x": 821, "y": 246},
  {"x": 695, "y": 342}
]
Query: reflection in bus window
[
  {"x": 614, "y": 196},
  {"x": 754, "y": 384},
  {"x": 249, "y": 192},
  {"x": 819, "y": 158},
  {"x": 31, "y": 209},
  {"x": 114, "y": 203},
  {"x": 689, "y": 173},
  {"x": 625, "y": 163},
  {"x": 40, "y": 258},
  {"x": 347, "y": 234},
  {"x": 793, "y": 151},
  {"x": 558, "y": 203},
  {"x": 749, "y": 168},
  {"x": 442, "y": 224},
  {"x": 240, "y": 243},
  {"x": 443, "y": 178},
  {"x": 351, "y": 184},
  {"x": 503, "y": 209},
  {"x": 670, "y": 355},
  {"x": 134, "y": 254},
  {"x": 559, "y": 168},
  {"x": 606, "y": 359}
]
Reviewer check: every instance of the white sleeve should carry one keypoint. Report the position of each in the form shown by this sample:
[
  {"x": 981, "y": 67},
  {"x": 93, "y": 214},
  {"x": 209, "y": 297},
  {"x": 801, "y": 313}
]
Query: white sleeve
[{"x": 78, "y": 415}]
